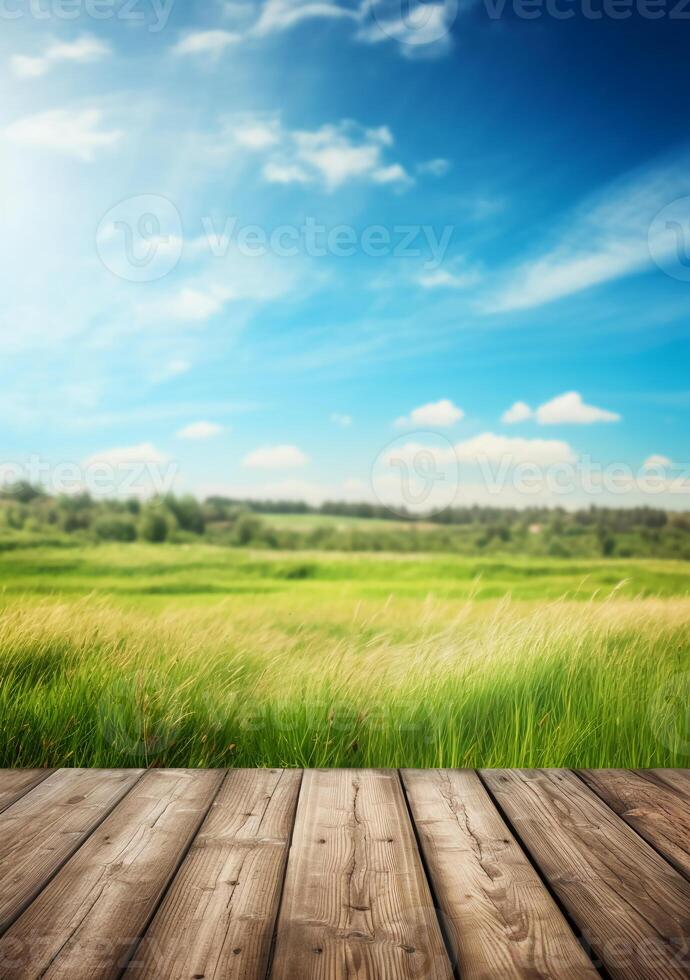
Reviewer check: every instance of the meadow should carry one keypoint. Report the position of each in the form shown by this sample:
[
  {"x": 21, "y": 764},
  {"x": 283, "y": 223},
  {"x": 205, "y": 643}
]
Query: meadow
[{"x": 199, "y": 655}]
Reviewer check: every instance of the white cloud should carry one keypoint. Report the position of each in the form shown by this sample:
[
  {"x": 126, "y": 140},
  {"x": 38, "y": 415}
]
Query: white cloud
[
  {"x": 333, "y": 155},
  {"x": 518, "y": 412},
  {"x": 206, "y": 42},
  {"x": 280, "y": 15},
  {"x": 439, "y": 414},
  {"x": 607, "y": 238},
  {"x": 423, "y": 31},
  {"x": 175, "y": 368},
  {"x": 257, "y": 134},
  {"x": 393, "y": 174},
  {"x": 444, "y": 279},
  {"x": 657, "y": 462},
  {"x": 81, "y": 51},
  {"x": 275, "y": 458},
  {"x": 496, "y": 448},
  {"x": 486, "y": 448},
  {"x": 570, "y": 408},
  {"x": 199, "y": 430},
  {"x": 438, "y": 167},
  {"x": 344, "y": 421},
  {"x": 78, "y": 133},
  {"x": 285, "y": 173},
  {"x": 344, "y": 152},
  {"x": 195, "y": 304},
  {"x": 143, "y": 452}
]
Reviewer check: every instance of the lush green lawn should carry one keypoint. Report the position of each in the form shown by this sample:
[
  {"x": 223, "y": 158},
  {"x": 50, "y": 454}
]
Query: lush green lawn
[
  {"x": 143, "y": 572},
  {"x": 195, "y": 655}
]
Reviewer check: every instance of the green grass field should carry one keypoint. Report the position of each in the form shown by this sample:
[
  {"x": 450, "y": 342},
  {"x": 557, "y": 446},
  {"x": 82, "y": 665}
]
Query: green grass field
[{"x": 197, "y": 655}]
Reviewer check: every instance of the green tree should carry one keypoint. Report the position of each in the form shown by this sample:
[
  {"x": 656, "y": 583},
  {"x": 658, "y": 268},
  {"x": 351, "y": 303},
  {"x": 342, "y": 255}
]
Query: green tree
[{"x": 153, "y": 525}]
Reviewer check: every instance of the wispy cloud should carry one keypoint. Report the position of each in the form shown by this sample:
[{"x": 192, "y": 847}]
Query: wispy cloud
[
  {"x": 438, "y": 167},
  {"x": 75, "y": 132},
  {"x": 83, "y": 50},
  {"x": 280, "y": 15},
  {"x": 275, "y": 458},
  {"x": 143, "y": 452},
  {"x": 206, "y": 42},
  {"x": 445, "y": 279},
  {"x": 422, "y": 30},
  {"x": 607, "y": 237},
  {"x": 199, "y": 430}
]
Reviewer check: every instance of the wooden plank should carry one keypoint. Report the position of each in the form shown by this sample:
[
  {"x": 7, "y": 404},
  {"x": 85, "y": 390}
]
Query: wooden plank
[
  {"x": 657, "y": 809},
  {"x": 86, "y": 922},
  {"x": 14, "y": 783},
  {"x": 218, "y": 917},
  {"x": 500, "y": 919},
  {"x": 678, "y": 778},
  {"x": 356, "y": 903},
  {"x": 632, "y": 907},
  {"x": 44, "y": 828}
]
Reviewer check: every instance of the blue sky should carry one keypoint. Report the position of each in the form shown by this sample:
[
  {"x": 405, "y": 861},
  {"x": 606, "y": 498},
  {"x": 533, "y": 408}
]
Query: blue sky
[{"x": 262, "y": 243}]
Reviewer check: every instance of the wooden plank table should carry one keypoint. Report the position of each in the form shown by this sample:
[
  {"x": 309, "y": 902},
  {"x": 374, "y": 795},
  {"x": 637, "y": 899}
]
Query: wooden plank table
[{"x": 344, "y": 874}]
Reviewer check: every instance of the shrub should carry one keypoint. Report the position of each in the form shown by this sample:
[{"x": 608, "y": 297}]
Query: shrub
[
  {"x": 114, "y": 528},
  {"x": 153, "y": 526}
]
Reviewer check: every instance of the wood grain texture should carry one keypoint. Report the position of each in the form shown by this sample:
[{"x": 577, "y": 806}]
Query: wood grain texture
[
  {"x": 86, "y": 922},
  {"x": 356, "y": 903},
  {"x": 632, "y": 906},
  {"x": 501, "y": 920},
  {"x": 14, "y": 783},
  {"x": 42, "y": 830},
  {"x": 218, "y": 917},
  {"x": 657, "y": 808}
]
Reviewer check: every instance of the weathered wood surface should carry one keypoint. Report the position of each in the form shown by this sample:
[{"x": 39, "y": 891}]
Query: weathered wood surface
[
  {"x": 217, "y": 920},
  {"x": 356, "y": 901},
  {"x": 501, "y": 920},
  {"x": 16, "y": 782},
  {"x": 44, "y": 828},
  {"x": 344, "y": 874},
  {"x": 632, "y": 906},
  {"x": 90, "y": 916},
  {"x": 654, "y": 803}
]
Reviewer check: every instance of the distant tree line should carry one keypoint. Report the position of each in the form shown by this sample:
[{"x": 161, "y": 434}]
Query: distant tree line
[{"x": 29, "y": 513}]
